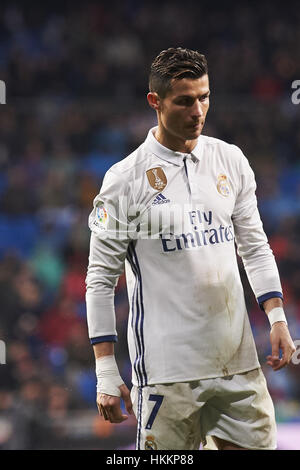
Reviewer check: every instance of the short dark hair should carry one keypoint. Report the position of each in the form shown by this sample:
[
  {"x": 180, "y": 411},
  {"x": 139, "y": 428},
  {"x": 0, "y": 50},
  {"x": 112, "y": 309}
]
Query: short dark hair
[{"x": 175, "y": 64}]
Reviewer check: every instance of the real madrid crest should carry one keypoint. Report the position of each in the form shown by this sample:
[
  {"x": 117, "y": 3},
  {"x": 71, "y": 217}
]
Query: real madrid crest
[
  {"x": 150, "y": 443},
  {"x": 157, "y": 178},
  {"x": 223, "y": 185}
]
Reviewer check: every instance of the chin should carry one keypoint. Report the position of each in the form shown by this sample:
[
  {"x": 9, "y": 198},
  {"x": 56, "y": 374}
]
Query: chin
[{"x": 193, "y": 134}]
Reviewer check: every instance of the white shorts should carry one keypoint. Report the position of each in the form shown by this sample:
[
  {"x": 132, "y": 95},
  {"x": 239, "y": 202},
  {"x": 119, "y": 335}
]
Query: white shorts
[{"x": 180, "y": 416}]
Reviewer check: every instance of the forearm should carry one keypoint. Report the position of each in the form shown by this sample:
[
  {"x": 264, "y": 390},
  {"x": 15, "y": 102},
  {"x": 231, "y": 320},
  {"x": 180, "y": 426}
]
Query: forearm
[
  {"x": 261, "y": 269},
  {"x": 107, "y": 372},
  {"x": 257, "y": 256},
  {"x": 103, "y": 349},
  {"x": 269, "y": 304},
  {"x": 273, "y": 307},
  {"x": 106, "y": 263}
]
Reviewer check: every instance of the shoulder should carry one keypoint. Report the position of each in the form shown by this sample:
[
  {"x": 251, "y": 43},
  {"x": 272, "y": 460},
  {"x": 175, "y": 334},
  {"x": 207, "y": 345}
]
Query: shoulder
[
  {"x": 230, "y": 155},
  {"x": 126, "y": 168},
  {"x": 223, "y": 147},
  {"x": 130, "y": 172}
]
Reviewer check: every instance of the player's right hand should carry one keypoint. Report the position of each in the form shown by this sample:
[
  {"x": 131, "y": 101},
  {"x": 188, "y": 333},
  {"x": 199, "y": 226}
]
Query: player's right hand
[{"x": 110, "y": 406}]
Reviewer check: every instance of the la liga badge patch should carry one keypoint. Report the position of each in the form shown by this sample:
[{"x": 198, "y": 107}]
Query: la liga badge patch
[{"x": 101, "y": 218}]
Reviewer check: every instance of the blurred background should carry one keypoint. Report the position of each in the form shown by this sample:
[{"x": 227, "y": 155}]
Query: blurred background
[{"x": 76, "y": 81}]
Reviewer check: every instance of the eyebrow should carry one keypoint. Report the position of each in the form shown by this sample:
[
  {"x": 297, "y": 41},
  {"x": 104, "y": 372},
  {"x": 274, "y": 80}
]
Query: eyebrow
[{"x": 189, "y": 96}]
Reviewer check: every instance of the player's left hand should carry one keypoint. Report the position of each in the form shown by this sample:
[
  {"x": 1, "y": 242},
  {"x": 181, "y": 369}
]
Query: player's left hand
[{"x": 280, "y": 340}]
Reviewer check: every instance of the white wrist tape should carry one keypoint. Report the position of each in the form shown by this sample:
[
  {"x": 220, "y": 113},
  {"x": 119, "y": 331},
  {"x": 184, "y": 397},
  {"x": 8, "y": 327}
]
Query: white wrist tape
[
  {"x": 276, "y": 314},
  {"x": 108, "y": 376}
]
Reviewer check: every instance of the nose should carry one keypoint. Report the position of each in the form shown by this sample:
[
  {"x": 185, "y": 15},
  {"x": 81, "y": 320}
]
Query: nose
[{"x": 197, "y": 109}]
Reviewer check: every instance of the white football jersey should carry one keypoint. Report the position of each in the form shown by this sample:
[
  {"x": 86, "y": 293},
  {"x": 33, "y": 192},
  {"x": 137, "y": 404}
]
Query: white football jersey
[{"x": 173, "y": 220}]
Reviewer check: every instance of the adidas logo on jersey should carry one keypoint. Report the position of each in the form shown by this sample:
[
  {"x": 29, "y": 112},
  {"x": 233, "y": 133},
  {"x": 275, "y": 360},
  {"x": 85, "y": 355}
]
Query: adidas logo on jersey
[{"x": 160, "y": 199}]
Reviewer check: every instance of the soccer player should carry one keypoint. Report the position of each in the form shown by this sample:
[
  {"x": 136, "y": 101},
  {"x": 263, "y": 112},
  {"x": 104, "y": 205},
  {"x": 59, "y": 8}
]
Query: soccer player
[{"x": 172, "y": 213}]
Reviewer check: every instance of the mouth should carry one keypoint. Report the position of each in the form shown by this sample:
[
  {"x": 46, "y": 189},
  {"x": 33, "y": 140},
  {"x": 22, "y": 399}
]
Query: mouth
[{"x": 196, "y": 126}]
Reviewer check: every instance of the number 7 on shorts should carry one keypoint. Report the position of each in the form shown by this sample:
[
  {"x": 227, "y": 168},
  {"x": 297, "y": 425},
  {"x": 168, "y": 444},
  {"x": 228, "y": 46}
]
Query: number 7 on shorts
[{"x": 158, "y": 401}]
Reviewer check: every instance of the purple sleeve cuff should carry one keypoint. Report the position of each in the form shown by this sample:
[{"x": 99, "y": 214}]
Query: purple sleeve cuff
[
  {"x": 270, "y": 295},
  {"x": 102, "y": 339}
]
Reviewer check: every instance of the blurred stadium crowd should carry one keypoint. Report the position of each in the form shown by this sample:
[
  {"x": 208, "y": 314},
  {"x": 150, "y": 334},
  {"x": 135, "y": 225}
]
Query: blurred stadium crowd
[{"x": 76, "y": 78}]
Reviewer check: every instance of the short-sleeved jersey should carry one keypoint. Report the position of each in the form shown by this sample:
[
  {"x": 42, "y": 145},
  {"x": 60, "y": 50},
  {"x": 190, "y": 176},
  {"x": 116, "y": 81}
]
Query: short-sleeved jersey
[{"x": 174, "y": 220}]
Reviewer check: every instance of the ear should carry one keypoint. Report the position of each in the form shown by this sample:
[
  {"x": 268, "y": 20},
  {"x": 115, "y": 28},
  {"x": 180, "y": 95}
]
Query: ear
[{"x": 154, "y": 100}]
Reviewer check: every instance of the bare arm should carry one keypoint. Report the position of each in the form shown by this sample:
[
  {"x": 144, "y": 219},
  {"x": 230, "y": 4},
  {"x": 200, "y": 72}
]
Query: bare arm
[{"x": 103, "y": 349}]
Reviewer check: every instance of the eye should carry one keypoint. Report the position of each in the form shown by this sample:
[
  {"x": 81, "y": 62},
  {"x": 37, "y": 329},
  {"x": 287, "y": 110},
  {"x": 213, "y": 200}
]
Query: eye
[
  {"x": 186, "y": 101},
  {"x": 203, "y": 98}
]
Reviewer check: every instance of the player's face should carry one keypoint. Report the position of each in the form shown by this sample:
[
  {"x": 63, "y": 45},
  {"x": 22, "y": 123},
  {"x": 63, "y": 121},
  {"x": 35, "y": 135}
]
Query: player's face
[{"x": 183, "y": 111}]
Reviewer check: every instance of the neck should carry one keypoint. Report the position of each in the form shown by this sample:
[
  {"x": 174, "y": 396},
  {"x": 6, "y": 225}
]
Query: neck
[{"x": 174, "y": 143}]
